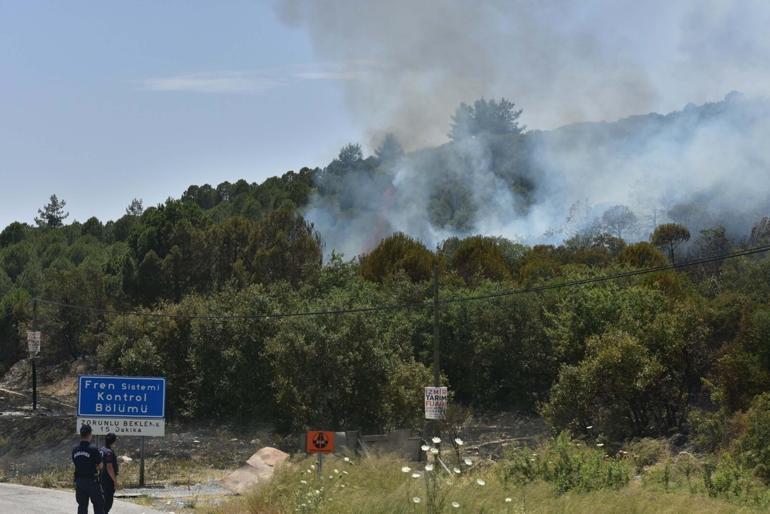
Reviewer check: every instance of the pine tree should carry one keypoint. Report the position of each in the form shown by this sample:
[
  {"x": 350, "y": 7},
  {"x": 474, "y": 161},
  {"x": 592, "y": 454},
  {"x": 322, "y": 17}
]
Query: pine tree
[{"x": 52, "y": 215}]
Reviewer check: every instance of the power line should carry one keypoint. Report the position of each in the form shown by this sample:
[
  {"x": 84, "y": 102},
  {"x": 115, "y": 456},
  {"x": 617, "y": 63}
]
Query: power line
[
  {"x": 354, "y": 310},
  {"x": 606, "y": 278},
  {"x": 413, "y": 305}
]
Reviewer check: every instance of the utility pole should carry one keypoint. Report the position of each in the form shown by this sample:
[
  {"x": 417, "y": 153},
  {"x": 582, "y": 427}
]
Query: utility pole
[
  {"x": 32, "y": 355},
  {"x": 436, "y": 367}
]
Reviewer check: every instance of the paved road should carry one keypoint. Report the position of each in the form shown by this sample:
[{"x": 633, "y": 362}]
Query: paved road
[{"x": 34, "y": 500}]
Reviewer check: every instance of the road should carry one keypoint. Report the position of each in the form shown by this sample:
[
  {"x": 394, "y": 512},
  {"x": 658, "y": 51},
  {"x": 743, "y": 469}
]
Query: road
[{"x": 34, "y": 500}]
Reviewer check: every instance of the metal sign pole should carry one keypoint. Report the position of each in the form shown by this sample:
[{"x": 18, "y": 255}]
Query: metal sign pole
[
  {"x": 320, "y": 466},
  {"x": 141, "y": 462}
]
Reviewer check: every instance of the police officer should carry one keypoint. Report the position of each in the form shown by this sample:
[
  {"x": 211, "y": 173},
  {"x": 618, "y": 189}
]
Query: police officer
[
  {"x": 87, "y": 460},
  {"x": 109, "y": 475}
]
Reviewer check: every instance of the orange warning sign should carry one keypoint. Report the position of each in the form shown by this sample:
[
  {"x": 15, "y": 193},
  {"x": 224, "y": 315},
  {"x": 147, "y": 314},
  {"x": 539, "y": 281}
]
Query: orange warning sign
[{"x": 320, "y": 442}]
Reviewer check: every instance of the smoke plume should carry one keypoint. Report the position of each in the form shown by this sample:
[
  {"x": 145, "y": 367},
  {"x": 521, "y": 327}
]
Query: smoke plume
[{"x": 563, "y": 63}]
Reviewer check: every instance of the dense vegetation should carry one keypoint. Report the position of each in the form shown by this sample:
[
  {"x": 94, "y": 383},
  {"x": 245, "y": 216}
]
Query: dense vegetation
[{"x": 197, "y": 283}]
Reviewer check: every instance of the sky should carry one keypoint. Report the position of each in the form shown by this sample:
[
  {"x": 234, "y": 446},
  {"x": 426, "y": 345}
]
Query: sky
[{"x": 103, "y": 101}]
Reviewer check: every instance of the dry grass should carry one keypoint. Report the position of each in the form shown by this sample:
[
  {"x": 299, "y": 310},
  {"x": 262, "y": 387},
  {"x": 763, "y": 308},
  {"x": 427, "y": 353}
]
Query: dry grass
[
  {"x": 165, "y": 472},
  {"x": 378, "y": 486}
]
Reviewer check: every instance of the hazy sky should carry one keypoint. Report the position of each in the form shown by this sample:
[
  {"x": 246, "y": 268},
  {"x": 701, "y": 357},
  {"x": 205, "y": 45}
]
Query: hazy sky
[{"x": 103, "y": 101}]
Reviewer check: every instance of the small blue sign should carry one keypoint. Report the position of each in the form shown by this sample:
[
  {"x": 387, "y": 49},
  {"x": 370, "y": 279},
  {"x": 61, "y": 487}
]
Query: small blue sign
[{"x": 121, "y": 397}]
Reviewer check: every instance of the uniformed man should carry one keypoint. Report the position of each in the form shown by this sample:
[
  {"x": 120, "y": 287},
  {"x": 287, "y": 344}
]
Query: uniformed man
[
  {"x": 87, "y": 460},
  {"x": 109, "y": 474}
]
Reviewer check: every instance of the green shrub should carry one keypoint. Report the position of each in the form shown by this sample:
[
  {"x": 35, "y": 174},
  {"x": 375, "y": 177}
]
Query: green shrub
[
  {"x": 727, "y": 479},
  {"x": 568, "y": 465},
  {"x": 753, "y": 446},
  {"x": 647, "y": 452},
  {"x": 707, "y": 429}
]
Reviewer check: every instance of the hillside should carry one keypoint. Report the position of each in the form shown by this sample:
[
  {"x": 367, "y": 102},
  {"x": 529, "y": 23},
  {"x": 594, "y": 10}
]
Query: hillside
[{"x": 226, "y": 292}]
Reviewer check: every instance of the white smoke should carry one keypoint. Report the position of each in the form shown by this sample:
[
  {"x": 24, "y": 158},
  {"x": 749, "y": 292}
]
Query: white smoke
[{"x": 562, "y": 62}]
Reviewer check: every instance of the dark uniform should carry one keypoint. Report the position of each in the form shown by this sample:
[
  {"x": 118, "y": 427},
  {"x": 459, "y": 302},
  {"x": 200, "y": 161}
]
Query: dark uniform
[
  {"x": 108, "y": 486},
  {"x": 86, "y": 457}
]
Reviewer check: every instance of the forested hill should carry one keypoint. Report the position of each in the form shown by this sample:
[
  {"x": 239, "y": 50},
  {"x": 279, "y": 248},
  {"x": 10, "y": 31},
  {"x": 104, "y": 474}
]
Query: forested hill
[{"x": 198, "y": 289}]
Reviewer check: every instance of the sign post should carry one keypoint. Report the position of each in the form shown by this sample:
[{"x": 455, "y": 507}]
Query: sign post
[
  {"x": 436, "y": 399},
  {"x": 321, "y": 443},
  {"x": 33, "y": 347},
  {"x": 130, "y": 406}
]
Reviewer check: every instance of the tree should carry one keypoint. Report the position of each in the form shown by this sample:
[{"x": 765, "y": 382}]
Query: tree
[
  {"x": 480, "y": 256},
  {"x": 12, "y": 234},
  {"x": 135, "y": 208},
  {"x": 619, "y": 388},
  {"x": 618, "y": 219},
  {"x": 712, "y": 241},
  {"x": 485, "y": 117},
  {"x": 350, "y": 154},
  {"x": 52, "y": 215},
  {"x": 93, "y": 227},
  {"x": 283, "y": 246},
  {"x": 669, "y": 237},
  {"x": 398, "y": 252},
  {"x": 642, "y": 255},
  {"x": 390, "y": 150}
]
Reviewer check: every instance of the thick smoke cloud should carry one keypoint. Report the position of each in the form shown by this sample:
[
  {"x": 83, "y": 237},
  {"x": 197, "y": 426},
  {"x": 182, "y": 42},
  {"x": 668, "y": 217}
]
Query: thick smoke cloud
[{"x": 563, "y": 62}]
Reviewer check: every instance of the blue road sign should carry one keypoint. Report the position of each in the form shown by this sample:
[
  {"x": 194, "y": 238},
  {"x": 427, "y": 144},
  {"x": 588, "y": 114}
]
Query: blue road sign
[{"x": 121, "y": 397}]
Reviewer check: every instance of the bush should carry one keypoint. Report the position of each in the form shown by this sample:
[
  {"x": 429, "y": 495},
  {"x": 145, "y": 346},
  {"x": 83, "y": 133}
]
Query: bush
[
  {"x": 568, "y": 465},
  {"x": 707, "y": 429},
  {"x": 753, "y": 446},
  {"x": 647, "y": 452},
  {"x": 611, "y": 389}
]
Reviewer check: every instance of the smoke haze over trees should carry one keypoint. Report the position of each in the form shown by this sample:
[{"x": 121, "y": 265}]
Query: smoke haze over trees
[{"x": 702, "y": 166}]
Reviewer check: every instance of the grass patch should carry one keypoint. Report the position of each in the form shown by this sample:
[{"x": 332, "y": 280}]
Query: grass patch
[{"x": 561, "y": 476}]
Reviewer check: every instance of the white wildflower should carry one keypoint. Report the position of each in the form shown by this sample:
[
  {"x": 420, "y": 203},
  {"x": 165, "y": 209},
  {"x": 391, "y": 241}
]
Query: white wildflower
[
  {"x": 406, "y": 469},
  {"x": 468, "y": 462},
  {"x": 416, "y": 499},
  {"x": 508, "y": 500},
  {"x": 429, "y": 467},
  {"x": 480, "y": 481},
  {"x": 434, "y": 451},
  {"x": 457, "y": 470},
  {"x": 436, "y": 440},
  {"x": 456, "y": 505},
  {"x": 459, "y": 442},
  {"x": 425, "y": 447}
]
